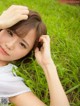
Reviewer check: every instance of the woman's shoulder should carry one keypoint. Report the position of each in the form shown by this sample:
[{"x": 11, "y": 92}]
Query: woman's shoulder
[
  {"x": 7, "y": 68},
  {"x": 10, "y": 83}
]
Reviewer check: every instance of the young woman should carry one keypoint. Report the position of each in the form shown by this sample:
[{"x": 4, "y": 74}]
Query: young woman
[{"x": 21, "y": 30}]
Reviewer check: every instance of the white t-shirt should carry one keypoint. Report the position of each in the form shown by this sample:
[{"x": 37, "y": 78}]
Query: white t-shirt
[{"x": 10, "y": 84}]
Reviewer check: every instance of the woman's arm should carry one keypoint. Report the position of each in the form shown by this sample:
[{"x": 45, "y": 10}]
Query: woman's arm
[
  {"x": 26, "y": 99},
  {"x": 57, "y": 94},
  {"x": 12, "y": 15},
  {"x": 43, "y": 56}
]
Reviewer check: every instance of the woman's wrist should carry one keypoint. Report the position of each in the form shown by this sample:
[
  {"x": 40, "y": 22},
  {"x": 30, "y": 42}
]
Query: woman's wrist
[
  {"x": 1, "y": 23},
  {"x": 50, "y": 63}
]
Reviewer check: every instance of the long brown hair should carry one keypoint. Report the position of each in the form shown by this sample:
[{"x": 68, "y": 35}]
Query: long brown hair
[{"x": 34, "y": 21}]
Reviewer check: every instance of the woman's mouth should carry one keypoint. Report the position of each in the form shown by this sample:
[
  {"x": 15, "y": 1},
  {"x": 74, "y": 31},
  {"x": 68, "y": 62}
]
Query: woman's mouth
[{"x": 3, "y": 51}]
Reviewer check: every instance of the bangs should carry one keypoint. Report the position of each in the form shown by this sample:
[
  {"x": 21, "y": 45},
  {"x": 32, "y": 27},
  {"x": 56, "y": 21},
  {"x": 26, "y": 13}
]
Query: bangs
[{"x": 23, "y": 27}]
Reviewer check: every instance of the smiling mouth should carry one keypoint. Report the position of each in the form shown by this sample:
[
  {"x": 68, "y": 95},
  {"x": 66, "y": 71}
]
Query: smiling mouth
[{"x": 3, "y": 51}]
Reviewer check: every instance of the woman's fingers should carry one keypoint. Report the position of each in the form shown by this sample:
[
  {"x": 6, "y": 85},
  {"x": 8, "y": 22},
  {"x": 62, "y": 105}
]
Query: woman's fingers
[
  {"x": 18, "y": 10},
  {"x": 13, "y": 14},
  {"x": 24, "y": 12},
  {"x": 23, "y": 17},
  {"x": 45, "y": 39},
  {"x": 17, "y": 7},
  {"x": 21, "y": 14}
]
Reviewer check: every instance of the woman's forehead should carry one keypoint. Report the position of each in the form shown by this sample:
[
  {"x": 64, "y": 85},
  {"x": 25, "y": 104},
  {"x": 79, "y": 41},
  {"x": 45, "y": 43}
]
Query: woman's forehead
[
  {"x": 24, "y": 27},
  {"x": 31, "y": 34},
  {"x": 23, "y": 34},
  {"x": 30, "y": 37}
]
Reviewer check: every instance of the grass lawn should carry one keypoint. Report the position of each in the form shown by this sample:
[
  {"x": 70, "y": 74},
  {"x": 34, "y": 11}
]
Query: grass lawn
[{"x": 63, "y": 24}]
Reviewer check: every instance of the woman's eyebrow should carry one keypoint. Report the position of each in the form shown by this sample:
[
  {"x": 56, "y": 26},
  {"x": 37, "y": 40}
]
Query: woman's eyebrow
[{"x": 25, "y": 42}]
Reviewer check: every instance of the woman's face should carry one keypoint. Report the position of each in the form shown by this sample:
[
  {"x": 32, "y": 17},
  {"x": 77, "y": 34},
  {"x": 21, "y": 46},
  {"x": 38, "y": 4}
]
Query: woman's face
[{"x": 12, "y": 47}]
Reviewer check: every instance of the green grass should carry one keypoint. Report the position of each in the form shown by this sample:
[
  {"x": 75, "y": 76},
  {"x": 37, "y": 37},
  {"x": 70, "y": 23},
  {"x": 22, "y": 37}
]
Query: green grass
[{"x": 63, "y": 24}]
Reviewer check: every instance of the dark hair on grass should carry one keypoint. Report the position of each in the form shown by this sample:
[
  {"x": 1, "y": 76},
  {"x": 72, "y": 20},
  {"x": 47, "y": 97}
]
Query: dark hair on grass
[{"x": 22, "y": 28}]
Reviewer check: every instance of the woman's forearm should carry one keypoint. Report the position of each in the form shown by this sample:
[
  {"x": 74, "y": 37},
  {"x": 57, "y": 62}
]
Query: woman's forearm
[{"x": 57, "y": 94}]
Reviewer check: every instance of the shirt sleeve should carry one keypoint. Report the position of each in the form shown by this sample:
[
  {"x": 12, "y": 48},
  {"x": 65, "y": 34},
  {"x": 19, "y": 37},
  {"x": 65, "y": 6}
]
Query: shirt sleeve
[{"x": 11, "y": 85}]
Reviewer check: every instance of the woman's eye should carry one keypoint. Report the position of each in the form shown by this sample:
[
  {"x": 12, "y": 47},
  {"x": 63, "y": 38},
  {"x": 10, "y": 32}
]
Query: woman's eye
[
  {"x": 23, "y": 45},
  {"x": 10, "y": 33}
]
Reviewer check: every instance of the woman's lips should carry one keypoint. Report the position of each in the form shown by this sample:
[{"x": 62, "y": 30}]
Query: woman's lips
[{"x": 3, "y": 51}]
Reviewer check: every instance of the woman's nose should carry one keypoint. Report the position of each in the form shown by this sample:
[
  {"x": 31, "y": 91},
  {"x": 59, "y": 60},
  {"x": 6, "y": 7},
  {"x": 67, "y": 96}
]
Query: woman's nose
[{"x": 11, "y": 44}]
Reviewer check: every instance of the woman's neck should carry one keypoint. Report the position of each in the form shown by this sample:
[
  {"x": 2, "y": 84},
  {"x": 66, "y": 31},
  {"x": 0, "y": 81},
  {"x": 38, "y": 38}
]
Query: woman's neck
[{"x": 3, "y": 63}]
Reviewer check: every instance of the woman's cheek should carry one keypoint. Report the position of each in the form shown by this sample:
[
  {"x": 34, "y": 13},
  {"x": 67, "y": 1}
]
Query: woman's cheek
[{"x": 20, "y": 53}]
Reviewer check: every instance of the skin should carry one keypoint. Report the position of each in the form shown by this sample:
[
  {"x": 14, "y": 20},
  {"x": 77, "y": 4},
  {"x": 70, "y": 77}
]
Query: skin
[
  {"x": 43, "y": 57},
  {"x": 15, "y": 46}
]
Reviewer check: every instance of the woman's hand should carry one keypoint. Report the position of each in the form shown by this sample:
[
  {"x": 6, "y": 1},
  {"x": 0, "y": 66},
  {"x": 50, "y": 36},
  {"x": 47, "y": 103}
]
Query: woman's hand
[
  {"x": 12, "y": 15},
  {"x": 43, "y": 56}
]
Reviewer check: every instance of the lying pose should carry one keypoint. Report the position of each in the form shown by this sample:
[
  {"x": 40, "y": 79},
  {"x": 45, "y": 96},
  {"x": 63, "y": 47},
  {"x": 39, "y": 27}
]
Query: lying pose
[{"x": 20, "y": 32}]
